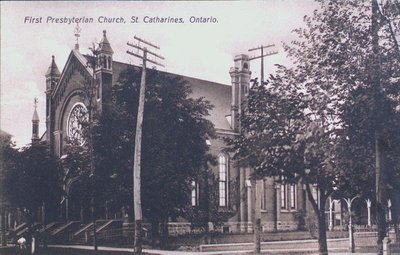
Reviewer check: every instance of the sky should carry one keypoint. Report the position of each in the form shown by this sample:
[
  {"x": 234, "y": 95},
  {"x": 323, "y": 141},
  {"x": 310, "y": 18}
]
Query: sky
[{"x": 30, "y": 35}]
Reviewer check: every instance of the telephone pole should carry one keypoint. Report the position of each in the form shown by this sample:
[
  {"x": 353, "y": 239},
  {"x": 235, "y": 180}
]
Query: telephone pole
[
  {"x": 138, "y": 138},
  {"x": 261, "y": 48},
  {"x": 255, "y": 189}
]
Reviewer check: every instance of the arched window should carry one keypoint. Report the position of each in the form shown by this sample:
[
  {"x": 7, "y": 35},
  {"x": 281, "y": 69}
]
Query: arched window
[
  {"x": 105, "y": 62},
  {"x": 109, "y": 63},
  {"x": 195, "y": 193},
  {"x": 283, "y": 193},
  {"x": 97, "y": 85},
  {"x": 35, "y": 129},
  {"x": 223, "y": 180}
]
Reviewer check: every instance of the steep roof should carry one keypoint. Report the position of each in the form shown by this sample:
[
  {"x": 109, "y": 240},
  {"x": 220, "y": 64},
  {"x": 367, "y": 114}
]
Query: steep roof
[
  {"x": 53, "y": 69},
  {"x": 35, "y": 116},
  {"x": 219, "y": 95},
  {"x": 4, "y": 133},
  {"x": 104, "y": 45}
]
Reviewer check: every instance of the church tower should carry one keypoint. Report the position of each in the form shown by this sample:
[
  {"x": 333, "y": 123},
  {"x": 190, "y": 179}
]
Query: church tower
[
  {"x": 104, "y": 70},
  {"x": 35, "y": 124},
  {"x": 240, "y": 75},
  {"x": 52, "y": 77}
]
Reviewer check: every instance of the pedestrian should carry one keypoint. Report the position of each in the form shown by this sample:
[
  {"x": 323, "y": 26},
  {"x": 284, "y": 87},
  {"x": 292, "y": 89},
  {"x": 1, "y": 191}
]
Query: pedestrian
[{"x": 22, "y": 246}]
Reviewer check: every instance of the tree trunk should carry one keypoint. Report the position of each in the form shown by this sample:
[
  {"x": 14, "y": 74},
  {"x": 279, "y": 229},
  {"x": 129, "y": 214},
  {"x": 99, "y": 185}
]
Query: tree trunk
[
  {"x": 3, "y": 228},
  {"x": 380, "y": 197},
  {"x": 322, "y": 243},
  {"x": 164, "y": 234},
  {"x": 94, "y": 224},
  {"x": 206, "y": 207},
  {"x": 155, "y": 233},
  {"x": 255, "y": 210}
]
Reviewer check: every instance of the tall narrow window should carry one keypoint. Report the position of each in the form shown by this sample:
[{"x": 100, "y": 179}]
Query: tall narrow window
[
  {"x": 283, "y": 193},
  {"x": 283, "y": 196},
  {"x": 315, "y": 194},
  {"x": 35, "y": 129},
  {"x": 263, "y": 195},
  {"x": 195, "y": 193},
  {"x": 97, "y": 82},
  {"x": 223, "y": 178},
  {"x": 105, "y": 62},
  {"x": 293, "y": 196},
  {"x": 109, "y": 63}
]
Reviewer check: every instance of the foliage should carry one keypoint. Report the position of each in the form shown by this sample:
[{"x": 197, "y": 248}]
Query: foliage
[
  {"x": 321, "y": 115},
  {"x": 174, "y": 133},
  {"x": 174, "y": 150},
  {"x": 35, "y": 180},
  {"x": 8, "y": 163},
  {"x": 208, "y": 209}
]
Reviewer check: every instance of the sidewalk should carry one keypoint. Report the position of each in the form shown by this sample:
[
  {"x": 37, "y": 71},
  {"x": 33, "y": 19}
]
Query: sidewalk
[{"x": 338, "y": 251}]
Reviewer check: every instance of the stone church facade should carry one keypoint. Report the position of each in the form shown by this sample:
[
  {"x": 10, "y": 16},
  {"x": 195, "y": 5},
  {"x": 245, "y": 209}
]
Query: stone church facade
[{"x": 281, "y": 205}]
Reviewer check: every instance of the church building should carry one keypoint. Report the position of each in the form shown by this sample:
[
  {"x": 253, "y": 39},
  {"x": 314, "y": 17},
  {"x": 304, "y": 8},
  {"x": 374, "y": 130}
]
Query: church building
[{"x": 66, "y": 103}]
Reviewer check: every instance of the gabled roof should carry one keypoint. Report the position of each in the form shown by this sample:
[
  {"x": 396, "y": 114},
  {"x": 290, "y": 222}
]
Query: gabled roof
[
  {"x": 82, "y": 59},
  {"x": 217, "y": 94},
  {"x": 4, "y": 133}
]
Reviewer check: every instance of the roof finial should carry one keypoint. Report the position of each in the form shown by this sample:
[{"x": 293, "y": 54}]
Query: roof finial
[
  {"x": 35, "y": 102},
  {"x": 77, "y": 33}
]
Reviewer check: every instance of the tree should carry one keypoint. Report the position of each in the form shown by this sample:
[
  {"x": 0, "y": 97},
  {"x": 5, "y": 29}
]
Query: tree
[
  {"x": 8, "y": 160},
  {"x": 385, "y": 53},
  {"x": 282, "y": 135},
  {"x": 36, "y": 180},
  {"x": 299, "y": 121},
  {"x": 77, "y": 178},
  {"x": 174, "y": 146},
  {"x": 207, "y": 209}
]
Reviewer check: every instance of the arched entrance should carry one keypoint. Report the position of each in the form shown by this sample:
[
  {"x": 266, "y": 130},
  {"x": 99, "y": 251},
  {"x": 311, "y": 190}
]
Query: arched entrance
[{"x": 78, "y": 200}]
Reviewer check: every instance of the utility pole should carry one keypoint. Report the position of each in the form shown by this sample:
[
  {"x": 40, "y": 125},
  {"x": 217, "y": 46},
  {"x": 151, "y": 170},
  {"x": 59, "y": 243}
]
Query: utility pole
[
  {"x": 138, "y": 139},
  {"x": 261, "y": 48},
  {"x": 255, "y": 189},
  {"x": 89, "y": 90},
  {"x": 380, "y": 189}
]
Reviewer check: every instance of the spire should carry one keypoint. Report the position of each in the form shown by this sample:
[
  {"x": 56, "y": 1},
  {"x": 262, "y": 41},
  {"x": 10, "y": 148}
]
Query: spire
[
  {"x": 35, "y": 114},
  {"x": 104, "y": 45},
  {"x": 35, "y": 123},
  {"x": 53, "y": 69}
]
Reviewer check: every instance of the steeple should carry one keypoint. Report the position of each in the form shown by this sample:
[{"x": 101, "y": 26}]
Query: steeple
[
  {"x": 51, "y": 74},
  {"x": 35, "y": 124},
  {"x": 104, "y": 59},
  {"x": 104, "y": 46},
  {"x": 52, "y": 77}
]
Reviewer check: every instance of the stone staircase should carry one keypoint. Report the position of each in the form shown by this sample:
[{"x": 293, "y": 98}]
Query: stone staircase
[
  {"x": 61, "y": 233},
  {"x": 84, "y": 234},
  {"x": 22, "y": 230}
]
